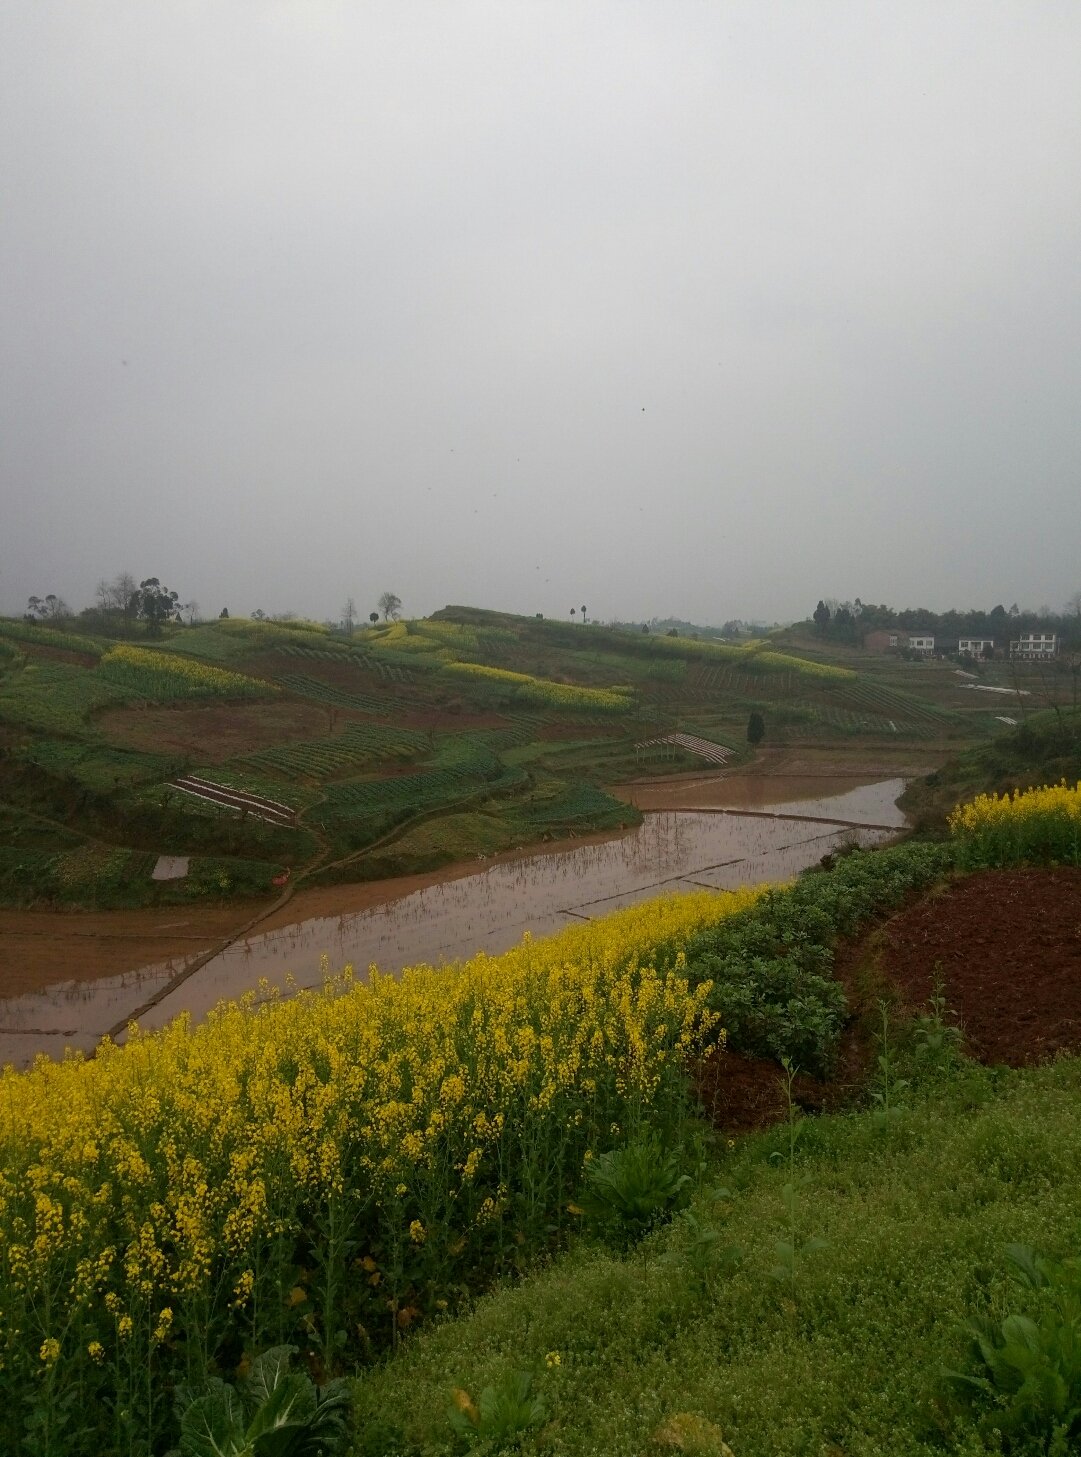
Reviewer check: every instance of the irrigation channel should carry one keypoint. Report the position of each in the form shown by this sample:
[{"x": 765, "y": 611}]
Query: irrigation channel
[{"x": 724, "y": 844}]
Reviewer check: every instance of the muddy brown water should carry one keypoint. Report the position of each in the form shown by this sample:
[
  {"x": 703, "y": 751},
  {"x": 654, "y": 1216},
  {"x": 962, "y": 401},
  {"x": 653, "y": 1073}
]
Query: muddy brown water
[{"x": 767, "y": 830}]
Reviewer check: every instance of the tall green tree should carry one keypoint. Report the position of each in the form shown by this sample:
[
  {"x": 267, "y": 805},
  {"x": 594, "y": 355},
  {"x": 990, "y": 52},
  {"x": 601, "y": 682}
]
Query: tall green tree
[{"x": 155, "y": 604}]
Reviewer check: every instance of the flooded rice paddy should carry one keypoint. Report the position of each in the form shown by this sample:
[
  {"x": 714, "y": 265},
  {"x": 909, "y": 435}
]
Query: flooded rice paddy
[{"x": 751, "y": 832}]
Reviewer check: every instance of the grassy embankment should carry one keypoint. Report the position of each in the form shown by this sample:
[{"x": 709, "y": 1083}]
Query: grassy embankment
[
  {"x": 401, "y": 748},
  {"x": 680, "y": 1344}
]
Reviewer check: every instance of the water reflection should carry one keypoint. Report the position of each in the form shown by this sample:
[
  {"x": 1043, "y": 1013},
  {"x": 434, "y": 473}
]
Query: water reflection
[{"x": 671, "y": 850}]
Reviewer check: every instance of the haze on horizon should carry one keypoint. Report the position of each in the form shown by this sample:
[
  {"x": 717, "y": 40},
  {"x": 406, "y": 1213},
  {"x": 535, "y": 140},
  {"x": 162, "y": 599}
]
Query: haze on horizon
[{"x": 665, "y": 308}]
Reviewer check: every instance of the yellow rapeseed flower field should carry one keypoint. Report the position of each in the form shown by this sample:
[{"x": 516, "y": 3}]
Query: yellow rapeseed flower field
[
  {"x": 1032, "y": 824},
  {"x": 546, "y": 693},
  {"x": 376, "y": 1137},
  {"x": 168, "y": 675}
]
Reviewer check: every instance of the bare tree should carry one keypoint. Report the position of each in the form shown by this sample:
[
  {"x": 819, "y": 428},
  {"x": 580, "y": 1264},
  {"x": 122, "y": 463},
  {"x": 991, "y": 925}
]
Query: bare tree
[{"x": 390, "y": 606}]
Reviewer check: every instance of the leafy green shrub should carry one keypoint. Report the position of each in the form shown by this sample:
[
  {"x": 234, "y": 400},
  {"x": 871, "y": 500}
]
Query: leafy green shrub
[
  {"x": 275, "y": 1413},
  {"x": 631, "y": 1188},
  {"x": 501, "y": 1414},
  {"x": 1025, "y": 1371}
]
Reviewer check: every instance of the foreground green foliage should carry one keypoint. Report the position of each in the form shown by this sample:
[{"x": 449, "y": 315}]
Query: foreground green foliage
[
  {"x": 1025, "y": 1371},
  {"x": 501, "y": 1414},
  {"x": 276, "y": 1412}
]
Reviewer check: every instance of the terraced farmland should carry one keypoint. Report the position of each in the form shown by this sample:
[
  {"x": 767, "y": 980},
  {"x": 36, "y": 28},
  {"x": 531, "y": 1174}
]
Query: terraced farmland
[
  {"x": 320, "y": 692},
  {"x": 318, "y": 759},
  {"x": 389, "y": 671},
  {"x": 504, "y": 730},
  {"x": 362, "y": 809}
]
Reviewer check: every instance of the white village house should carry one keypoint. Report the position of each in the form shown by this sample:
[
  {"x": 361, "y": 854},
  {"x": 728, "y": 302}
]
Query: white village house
[
  {"x": 1034, "y": 645},
  {"x": 976, "y": 647}
]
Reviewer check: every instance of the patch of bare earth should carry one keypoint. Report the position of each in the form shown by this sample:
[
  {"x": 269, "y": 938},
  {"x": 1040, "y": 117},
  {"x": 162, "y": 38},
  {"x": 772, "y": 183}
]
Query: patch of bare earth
[
  {"x": 51, "y": 654},
  {"x": 214, "y": 732},
  {"x": 1005, "y": 945}
]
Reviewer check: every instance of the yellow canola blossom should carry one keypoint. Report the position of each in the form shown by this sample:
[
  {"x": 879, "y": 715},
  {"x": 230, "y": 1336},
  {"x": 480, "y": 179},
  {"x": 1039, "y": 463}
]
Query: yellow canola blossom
[
  {"x": 1022, "y": 804},
  {"x": 1030, "y": 824},
  {"x": 153, "y": 1180},
  {"x": 168, "y": 675},
  {"x": 785, "y": 662},
  {"x": 545, "y": 692}
]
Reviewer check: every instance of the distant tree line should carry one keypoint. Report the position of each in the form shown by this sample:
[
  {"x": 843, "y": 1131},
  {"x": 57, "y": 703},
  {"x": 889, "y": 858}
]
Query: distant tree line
[
  {"x": 851, "y": 621},
  {"x": 123, "y": 607}
]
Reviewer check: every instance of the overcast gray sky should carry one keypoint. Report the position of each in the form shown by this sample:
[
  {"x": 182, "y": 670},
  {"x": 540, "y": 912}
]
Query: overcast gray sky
[{"x": 703, "y": 309}]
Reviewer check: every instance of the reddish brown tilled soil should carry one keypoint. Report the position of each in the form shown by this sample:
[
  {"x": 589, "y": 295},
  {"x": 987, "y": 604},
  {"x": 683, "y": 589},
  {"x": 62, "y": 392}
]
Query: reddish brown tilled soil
[
  {"x": 56, "y": 655},
  {"x": 213, "y": 732},
  {"x": 741, "y": 1094},
  {"x": 1004, "y": 946}
]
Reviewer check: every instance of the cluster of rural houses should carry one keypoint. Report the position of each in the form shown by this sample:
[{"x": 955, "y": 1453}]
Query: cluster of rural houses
[{"x": 1027, "y": 645}]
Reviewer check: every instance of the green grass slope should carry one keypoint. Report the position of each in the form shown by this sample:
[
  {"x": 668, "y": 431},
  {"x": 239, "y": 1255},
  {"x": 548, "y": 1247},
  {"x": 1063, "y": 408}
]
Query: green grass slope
[{"x": 846, "y": 1357}]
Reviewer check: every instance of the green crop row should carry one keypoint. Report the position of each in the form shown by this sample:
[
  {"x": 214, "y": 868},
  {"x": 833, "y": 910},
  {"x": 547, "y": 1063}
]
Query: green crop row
[
  {"x": 99, "y": 767},
  {"x": 321, "y": 758},
  {"x": 894, "y": 703},
  {"x": 565, "y": 805},
  {"x": 160, "y": 678},
  {"x": 208, "y": 642},
  {"x": 712, "y": 679},
  {"x": 467, "y": 753},
  {"x": 257, "y": 633},
  {"x": 390, "y": 672},
  {"x": 848, "y": 721},
  {"x": 524, "y": 688},
  {"x": 360, "y": 798},
  {"x": 57, "y": 698},
  {"x": 771, "y": 662},
  {"x": 771, "y": 967},
  {"x": 318, "y": 692},
  {"x": 51, "y": 637}
]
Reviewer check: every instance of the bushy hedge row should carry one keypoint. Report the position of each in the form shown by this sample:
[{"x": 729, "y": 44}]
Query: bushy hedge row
[{"x": 772, "y": 966}]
